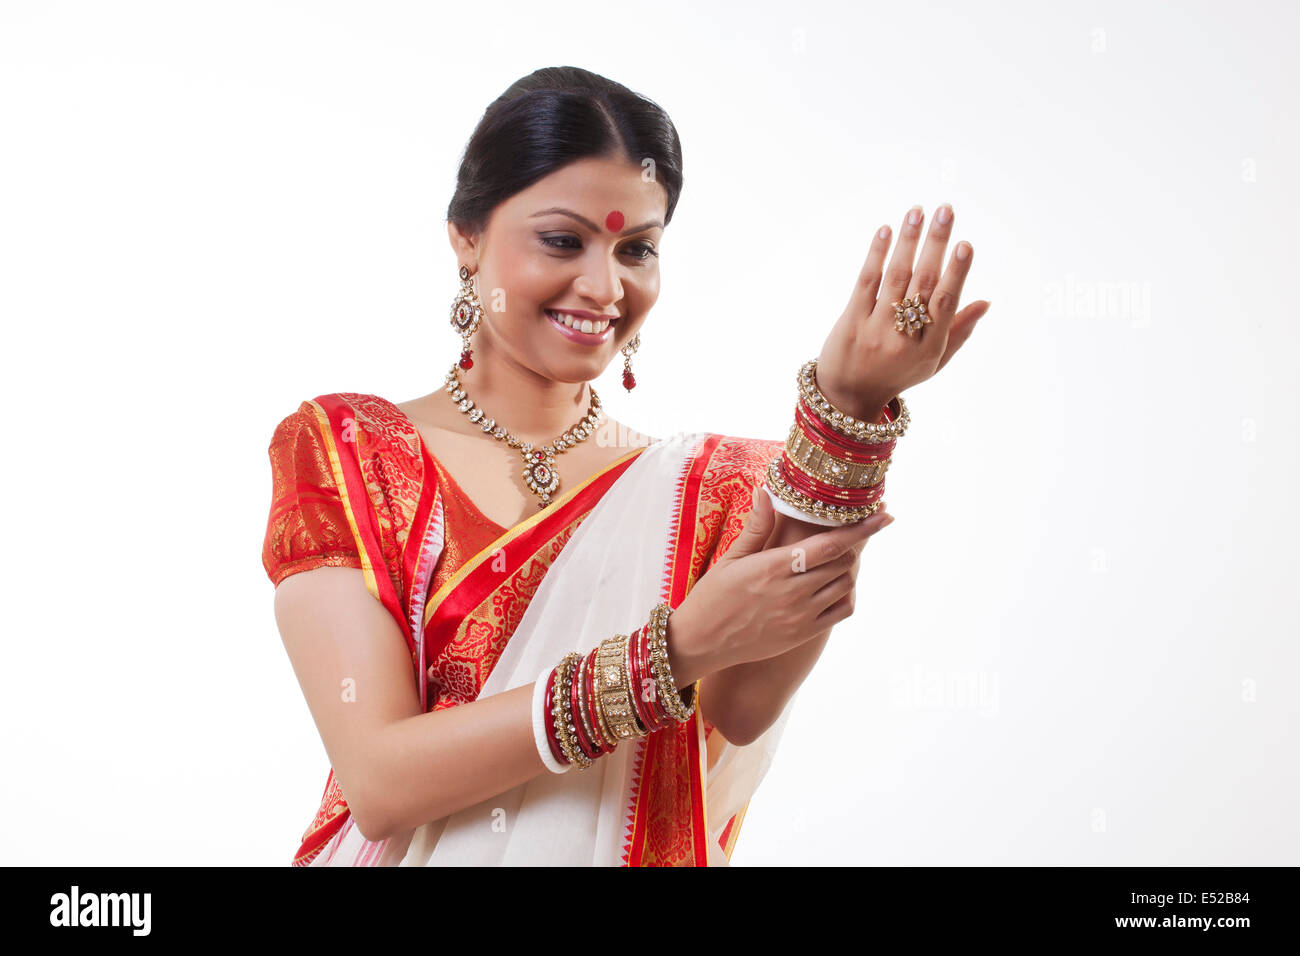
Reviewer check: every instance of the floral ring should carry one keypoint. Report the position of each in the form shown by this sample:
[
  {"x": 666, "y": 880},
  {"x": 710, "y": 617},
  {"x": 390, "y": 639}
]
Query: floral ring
[{"x": 910, "y": 315}]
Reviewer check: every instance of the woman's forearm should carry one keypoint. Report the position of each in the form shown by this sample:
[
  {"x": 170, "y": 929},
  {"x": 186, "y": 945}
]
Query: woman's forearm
[
  {"x": 434, "y": 764},
  {"x": 428, "y": 766},
  {"x": 743, "y": 700}
]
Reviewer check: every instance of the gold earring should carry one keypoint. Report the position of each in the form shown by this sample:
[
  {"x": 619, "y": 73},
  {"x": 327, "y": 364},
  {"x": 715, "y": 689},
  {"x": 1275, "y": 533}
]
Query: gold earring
[
  {"x": 466, "y": 314},
  {"x": 629, "y": 380}
]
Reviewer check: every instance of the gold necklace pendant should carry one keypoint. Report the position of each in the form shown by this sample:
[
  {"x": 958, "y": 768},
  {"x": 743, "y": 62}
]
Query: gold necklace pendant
[{"x": 540, "y": 473}]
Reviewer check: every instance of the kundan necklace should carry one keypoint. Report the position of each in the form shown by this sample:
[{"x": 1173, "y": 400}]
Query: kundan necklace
[{"x": 539, "y": 463}]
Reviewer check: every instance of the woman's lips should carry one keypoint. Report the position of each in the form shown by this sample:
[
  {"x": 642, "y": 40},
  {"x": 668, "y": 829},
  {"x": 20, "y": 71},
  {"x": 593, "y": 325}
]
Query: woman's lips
[{"x": 576, "y": 335}]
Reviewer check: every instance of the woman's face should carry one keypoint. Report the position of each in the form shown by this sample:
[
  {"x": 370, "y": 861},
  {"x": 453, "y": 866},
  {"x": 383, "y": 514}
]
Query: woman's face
[{"x": 584, "y": 239}]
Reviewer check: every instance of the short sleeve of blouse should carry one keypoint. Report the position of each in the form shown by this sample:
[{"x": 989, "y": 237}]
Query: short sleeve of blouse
[{"x": 307, "y": 527}]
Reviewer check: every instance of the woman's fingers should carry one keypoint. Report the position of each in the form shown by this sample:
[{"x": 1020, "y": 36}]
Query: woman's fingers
[
  {"x": 899, "y": 273},
  {"x": 962, "y": 326},
  {"x": 926, "y": 275},
  {"x": 868, "y": 286},
  {"x": 943, "y": 301},
  {"x": 832, "y": 592},
  {"x": 826, "y": 546},
  {"x": 930, "y": 265}
]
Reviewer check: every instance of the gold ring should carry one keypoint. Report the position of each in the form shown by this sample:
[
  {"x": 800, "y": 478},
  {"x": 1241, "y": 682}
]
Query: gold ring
[{"x": 910, "y": 315}]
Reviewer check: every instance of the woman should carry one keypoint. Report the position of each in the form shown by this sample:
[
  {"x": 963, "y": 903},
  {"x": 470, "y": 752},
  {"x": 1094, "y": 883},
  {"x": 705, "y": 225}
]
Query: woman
[{"x": 474, "y": 537}]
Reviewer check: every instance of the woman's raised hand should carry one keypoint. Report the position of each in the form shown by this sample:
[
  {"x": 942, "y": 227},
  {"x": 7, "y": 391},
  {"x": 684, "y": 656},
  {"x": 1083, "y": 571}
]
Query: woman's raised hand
[
  {"x": 754, "y": 603},
  {"x": 866, "y": 361}
]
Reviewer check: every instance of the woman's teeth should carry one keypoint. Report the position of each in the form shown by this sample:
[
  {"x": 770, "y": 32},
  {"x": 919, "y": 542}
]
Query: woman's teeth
[{"x": 582, "y": 325}]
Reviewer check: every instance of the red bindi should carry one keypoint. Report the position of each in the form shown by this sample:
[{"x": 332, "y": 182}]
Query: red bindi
[{"x": 614, "y": 221}]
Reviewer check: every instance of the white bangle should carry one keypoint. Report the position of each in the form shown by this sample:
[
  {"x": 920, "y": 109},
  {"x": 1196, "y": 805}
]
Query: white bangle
[
  {"x": 791, "y": 511},
  {"x": 539, "y": 725}
]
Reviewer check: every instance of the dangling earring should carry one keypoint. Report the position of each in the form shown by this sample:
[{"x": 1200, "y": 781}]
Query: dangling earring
[
  {"x": 629, "y": 380},
  {"x": 466, "y": 313}
]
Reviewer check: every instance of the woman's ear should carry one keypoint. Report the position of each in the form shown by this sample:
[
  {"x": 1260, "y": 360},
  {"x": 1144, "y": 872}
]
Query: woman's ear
[{"x": 464, "y": 245}]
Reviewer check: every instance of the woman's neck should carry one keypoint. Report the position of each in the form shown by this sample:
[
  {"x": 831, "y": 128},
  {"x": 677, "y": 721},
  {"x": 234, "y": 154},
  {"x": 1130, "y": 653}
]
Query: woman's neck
[{"x": 524, "y": 403}]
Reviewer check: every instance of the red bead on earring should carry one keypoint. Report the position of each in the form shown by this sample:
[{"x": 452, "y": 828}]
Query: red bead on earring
[
  {"x": 465, "y": 361},
  {"x": 629, "y": 380}
]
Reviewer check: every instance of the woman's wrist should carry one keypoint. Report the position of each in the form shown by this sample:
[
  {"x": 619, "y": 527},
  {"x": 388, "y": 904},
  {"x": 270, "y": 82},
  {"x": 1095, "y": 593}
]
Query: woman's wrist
[
  {"x": 687, "y": 654},
  {"x": 870, "y": 410},
  {"x": 833, "y": 465}
]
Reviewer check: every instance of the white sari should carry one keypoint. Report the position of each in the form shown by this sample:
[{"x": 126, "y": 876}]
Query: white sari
[{"x": 605, "y": 581}]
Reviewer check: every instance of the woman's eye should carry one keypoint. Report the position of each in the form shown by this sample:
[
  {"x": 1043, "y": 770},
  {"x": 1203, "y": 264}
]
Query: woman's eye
[
  {"x": 640, "y": 250},
  {"x": 557, "y": 242}
]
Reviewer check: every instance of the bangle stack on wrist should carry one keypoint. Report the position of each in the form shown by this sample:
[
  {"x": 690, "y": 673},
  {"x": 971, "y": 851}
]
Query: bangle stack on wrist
[
  {"x": 620, "y": 690},
  {"x": 833, "y": 465}
]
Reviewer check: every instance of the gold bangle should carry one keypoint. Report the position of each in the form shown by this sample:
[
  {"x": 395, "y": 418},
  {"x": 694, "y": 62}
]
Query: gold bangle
[
  {"x": 606, "y": 733},
  {"x": 680, "y": 709},
  {"x": 818, "y": 463},
  {"x": 564, "y": 729},
  {"x": 583, "y": 714},
  {"x": 615, "y": 696},
  {"x": 847, "y": 425},
  {"x": 797, "y": 499}
]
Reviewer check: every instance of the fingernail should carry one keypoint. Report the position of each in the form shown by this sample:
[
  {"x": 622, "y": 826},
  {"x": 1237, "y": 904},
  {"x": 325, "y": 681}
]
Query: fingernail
[
  {"x": 943, "y": 215},
  {"x": 884, "y": 232},
  {"x": 963, "y": 251},
  {"x": 914, "y": 216}
]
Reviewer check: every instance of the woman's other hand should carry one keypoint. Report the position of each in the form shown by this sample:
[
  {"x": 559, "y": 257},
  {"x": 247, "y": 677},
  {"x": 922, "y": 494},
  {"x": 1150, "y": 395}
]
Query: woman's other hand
[
  {"x": 754, "y": 603},
  {"x": 865, "y": 361}
]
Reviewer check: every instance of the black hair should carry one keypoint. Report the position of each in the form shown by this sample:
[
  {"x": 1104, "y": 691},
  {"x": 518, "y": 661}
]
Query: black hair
[{"x": 550, "y": 118}]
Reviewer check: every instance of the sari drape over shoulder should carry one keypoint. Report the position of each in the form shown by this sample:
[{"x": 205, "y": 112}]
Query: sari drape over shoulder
[{"x": 484, "y": 609}]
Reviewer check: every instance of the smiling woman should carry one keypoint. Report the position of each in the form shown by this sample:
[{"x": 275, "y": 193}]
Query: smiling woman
[
  {"x": 459, "y": 665},
  {"x": 540, "y": 259}
]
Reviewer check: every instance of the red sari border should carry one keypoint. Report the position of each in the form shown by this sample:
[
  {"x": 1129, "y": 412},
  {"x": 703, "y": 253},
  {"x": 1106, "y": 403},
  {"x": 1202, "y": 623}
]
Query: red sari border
[{"x": 654, "y": 752}]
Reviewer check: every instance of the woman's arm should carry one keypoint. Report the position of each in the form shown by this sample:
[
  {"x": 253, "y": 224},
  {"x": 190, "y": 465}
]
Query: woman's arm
[
  {"x": 743, "y": 700},
  {"x": 864, "y": 362},
  {"x": 397, "y": 767}
]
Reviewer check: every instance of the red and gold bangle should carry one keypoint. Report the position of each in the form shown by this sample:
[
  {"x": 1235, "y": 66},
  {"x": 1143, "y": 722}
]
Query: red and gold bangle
[
  {"x": 638, "y": 703},
  {"x": 564, "y": 728},
  {"x": 598, "y": 742},
  {"x": 603, "y": 734},
  {"x": 551, "y": 739},
  {"x": 818, "y": 464},
  {"x": 596, "y": 732},
  {"x": 846, "y": 425},
  {"x": 656, "y": 718},
  {"x": 813, "y": 487},
  {"x": 597, "y": 699},
  {"x": 558, "y": 710},
  {"x": 662, "y": 717},
  {"x": 577, "y": 708},
  {"x": 833, "y": 465},
  {"x": 855, "y": 463},
  {"x": 644, "y": 708},
  {"x": 852, "y": 442},
  {"x": 808, "y": 503},
  {"x": 554, "y": 713}
]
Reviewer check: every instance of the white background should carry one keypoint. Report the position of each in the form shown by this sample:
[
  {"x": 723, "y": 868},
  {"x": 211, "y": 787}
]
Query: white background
[{"x": 1076, "y": 645}]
